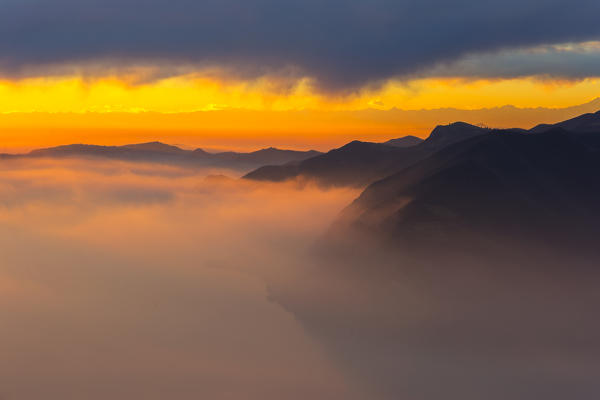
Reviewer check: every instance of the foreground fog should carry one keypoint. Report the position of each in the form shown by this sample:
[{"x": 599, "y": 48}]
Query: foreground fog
[
  {"x": 135, "y": 281},
  {"x": 129, "y": 281}
]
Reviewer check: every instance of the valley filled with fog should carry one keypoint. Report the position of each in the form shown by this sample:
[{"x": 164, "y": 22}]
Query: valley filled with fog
[
  {"x": 299, "y": 200},
  {"x": 470, "y": 273},
  {"x": 124, "y": 281}
]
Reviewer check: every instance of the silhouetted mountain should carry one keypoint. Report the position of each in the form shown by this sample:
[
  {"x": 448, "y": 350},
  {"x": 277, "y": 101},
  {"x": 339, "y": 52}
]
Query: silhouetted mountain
[
  {"x": 444, "y": 135},
  {"x": 538, "y": 187},
  {"x": 155, "y": 147},
  {"x": 405, "y": 141},
  {"x": 154, "y": 151},
  {"x": 447, "y": 270},
  {"x": 269, "y": 156},
  {"x": 584, "y": 123},
  {"x": 360, "y": 163},
  {"x": 164, "y": 153},
  {"x": 355, "y": 163}
]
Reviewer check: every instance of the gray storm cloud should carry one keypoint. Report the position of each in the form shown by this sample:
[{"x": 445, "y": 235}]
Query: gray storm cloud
[{"x": 341, "y": 44}]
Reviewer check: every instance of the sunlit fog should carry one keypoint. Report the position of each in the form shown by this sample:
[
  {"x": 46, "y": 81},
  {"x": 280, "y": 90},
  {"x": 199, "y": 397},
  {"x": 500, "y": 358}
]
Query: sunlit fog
[{"x": 121, "y": 281}]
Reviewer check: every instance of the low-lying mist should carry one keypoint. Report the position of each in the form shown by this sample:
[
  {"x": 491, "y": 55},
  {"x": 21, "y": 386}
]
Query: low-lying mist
[{"x": 138, "y": 281}]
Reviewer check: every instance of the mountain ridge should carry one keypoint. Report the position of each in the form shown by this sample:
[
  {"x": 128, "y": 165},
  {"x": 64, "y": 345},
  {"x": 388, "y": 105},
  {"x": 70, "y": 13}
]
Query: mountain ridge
[
  {"x": 164, "y": 153},
  {"x": 404, "y": 141},
  {"x": 508, "y": 183},
  {"x": 359, "y": 163}
]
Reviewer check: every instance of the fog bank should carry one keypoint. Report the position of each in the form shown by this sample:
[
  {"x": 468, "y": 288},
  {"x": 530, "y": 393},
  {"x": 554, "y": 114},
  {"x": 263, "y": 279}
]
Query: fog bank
[{"x": 129, "y": 281}]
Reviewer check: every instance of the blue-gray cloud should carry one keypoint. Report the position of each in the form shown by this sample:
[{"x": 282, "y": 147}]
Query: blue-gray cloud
[
  {"x": 341, "y": 43},
  {"x": 572, "y": 62}
]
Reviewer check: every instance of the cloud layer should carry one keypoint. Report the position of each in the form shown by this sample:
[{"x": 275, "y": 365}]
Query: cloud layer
[
  {"x": 129, "y": 281},
  {"x": 574, "y": 61},
  {"x": 341, "y": 44}
]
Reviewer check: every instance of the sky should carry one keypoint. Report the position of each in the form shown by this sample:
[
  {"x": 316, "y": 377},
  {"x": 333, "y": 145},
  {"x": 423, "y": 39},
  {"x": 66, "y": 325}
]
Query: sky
[
  {"x": 284, "y": 61},
  {"x": 126, "y": 280}
]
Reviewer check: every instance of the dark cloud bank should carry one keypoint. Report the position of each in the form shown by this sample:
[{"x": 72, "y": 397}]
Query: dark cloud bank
[{"x": 343, "y": 44}]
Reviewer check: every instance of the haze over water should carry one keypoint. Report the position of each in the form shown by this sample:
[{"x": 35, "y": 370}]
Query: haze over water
[
  {"x": 130, "y": 281},
  {"x": 299, "y": 199}
]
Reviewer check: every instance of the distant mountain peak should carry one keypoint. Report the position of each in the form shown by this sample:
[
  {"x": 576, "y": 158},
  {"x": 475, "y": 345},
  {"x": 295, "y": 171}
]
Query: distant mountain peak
[
  {"x": 404, "y": 141},
  {"x": 360, "y": 146},
  {"x": 453, "y": 127},
  {"x": 154, "y": 146},
  {"x": 164, "y": 153},
  {"x": 589, "y": 122},
  {"x": 268, "y": 150},
  {"x": 454, "y": 132},
  {"x": 355, "y": 143},
  {"x": 360, "y": 143}
]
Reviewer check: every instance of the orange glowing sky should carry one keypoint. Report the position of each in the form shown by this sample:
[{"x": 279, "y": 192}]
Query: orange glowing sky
[
  {"x": 197, "y": 111},
  {"x": 192, "y": 93},
  {"x": 243, "y": 74}
]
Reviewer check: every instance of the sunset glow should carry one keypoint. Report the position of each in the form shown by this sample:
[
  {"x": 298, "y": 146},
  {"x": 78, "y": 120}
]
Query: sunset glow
[
  {"x": 190, "y": 94},
  {"x": 299, "y": 200},
  {"x": 214, "y": 113}
]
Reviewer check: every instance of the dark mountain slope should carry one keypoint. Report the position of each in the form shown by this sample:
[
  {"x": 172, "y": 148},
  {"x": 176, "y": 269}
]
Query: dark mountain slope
[
  {"x": 473, "y": 274},
  {"x": 373, "y": 163},
  {"x": 356, "y": 163},
  {"x": 542, "y": 187},
  {"x": 360, "y": 163},
  {"x": 584, "y": 123}
]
